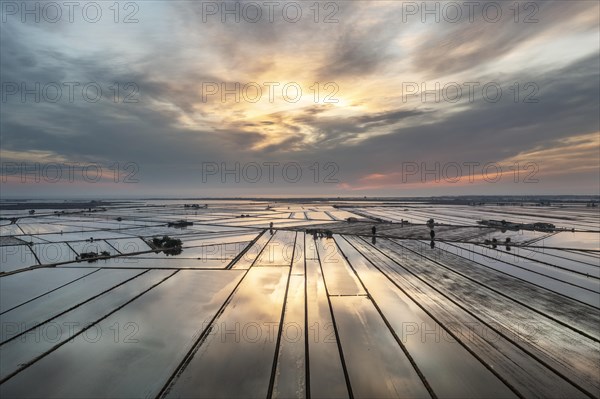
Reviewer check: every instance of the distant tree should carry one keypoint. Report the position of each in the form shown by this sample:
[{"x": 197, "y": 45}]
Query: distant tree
[{"x": 169, "y": 246}]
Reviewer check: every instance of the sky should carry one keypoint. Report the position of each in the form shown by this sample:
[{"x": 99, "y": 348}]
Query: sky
[{"x": 299, "y": 98}]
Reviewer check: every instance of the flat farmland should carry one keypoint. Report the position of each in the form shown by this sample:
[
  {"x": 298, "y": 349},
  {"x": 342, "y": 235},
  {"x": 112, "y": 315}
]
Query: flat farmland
[{"x": 300, "y": 299}]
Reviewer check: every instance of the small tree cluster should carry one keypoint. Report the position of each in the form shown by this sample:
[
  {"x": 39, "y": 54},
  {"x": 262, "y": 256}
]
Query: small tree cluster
[{"x": 170, "y": 246}]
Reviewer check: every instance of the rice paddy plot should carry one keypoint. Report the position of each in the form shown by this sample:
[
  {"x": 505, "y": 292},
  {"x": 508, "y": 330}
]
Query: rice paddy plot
[{"x": 318, "y": 306}]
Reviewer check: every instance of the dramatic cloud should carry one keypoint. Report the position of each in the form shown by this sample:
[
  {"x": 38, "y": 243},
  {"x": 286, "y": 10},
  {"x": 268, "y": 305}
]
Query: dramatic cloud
[{"x": 367, "y": 87}]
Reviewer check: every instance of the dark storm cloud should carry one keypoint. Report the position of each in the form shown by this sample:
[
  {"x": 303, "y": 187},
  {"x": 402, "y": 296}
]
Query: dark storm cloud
[
  {"x": 21, "y": 62},
  {"x": 335, "y": 130},
  {"x": 489, "y": 132},
  {"x": 358, "y": 52}
]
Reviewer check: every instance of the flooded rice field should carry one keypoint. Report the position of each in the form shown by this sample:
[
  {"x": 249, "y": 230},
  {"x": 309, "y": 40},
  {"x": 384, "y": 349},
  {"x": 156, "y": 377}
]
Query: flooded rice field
[{"x": 229, "y": 299}]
